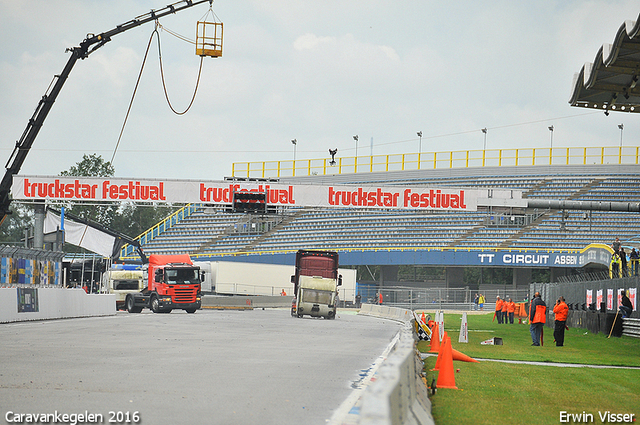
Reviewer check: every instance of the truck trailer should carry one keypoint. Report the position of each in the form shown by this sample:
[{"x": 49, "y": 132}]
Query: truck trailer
[
  {"x": 173, "y": 282},
  {"x": 316, "y": 281},
  {"x": 244, "y": 278}
]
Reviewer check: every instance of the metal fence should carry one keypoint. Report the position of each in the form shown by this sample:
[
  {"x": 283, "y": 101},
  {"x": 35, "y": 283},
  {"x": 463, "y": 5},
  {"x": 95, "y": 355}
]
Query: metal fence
[
  {"x": 441, "y": 298},
  {"x": 576, "y": 292}
]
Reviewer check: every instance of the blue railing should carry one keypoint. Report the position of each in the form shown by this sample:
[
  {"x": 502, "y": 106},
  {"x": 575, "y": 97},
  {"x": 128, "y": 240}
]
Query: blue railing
[{"x": 166, "y": 224}]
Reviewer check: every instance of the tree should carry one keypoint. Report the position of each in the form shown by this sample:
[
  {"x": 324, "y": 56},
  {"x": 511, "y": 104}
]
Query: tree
[
  {"x": 12, "y": 230},
  {"x": 134, "y": 219},
  {"x": 130, "y": 219},
  {"x": 92, "y": 166}
]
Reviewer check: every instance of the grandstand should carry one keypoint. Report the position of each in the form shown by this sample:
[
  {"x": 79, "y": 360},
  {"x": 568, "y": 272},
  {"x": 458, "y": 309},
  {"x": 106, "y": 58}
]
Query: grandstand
[{"x": 211, "y": 232}]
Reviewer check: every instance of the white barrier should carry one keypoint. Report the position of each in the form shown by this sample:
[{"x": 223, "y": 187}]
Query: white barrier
[
  {"x": 53, "y": 303},
  {"x": 398, "y": 395},
  {"x": 394, "y": 313}
]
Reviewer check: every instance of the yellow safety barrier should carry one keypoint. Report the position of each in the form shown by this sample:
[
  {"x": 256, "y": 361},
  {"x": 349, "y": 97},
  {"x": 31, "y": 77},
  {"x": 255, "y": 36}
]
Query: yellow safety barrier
[{"x": 440, "y": 160}]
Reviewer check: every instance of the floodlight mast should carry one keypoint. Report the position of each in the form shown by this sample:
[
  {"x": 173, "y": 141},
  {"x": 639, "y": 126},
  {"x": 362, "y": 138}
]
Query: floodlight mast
[{"x": 89, "y": 45}]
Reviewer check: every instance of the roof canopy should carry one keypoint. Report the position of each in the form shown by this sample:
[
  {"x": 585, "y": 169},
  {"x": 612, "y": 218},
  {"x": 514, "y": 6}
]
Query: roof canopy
[{"x": 610, "y": 82}]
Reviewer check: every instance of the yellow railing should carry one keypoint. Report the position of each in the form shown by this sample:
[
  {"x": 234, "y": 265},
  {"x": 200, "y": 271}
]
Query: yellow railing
[
  {"x": 396, "y": 248},
  {"x": 627, "y": 155},
  {"x": 383, "y": 249}
]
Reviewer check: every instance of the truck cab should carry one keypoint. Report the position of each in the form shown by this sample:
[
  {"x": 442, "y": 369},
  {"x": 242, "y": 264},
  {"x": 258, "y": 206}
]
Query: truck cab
[{"x": 173, "y": 283}]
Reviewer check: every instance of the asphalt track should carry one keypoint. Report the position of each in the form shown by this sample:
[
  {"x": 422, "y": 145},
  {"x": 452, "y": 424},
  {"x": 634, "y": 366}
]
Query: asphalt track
[{"x": 211, "y": 367}]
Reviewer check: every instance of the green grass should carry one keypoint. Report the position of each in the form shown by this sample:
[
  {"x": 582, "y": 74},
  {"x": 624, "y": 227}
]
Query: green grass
[{"x": 497, "y": 393}]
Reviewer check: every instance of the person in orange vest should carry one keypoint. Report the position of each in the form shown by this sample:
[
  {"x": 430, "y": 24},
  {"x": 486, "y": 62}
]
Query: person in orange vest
[
  {"x": 498, "y": 312},
  {"x": 561, "y": 310},
  {"x": 511, "y": 310},
  {"x": 537, "y": 318},
  {"x": 380, "y": 298},
  {"x": 505, "y": 320},
  {"x": 283, "y": 293}
]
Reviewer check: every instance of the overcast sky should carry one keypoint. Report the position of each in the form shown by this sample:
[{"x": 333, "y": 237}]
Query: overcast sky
[{"x": 316, "y": 71}]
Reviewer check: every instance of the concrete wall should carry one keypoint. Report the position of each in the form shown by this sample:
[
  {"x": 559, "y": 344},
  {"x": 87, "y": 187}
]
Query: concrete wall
[
  {"x": 53, "y": 303},
  {"x": 241, "y": 301},
  {"x": 398, "y": 395}
]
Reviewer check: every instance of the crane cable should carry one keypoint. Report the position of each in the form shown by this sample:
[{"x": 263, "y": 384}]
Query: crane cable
[
  {"x": 144, "y": 60},
  {"x": 126, "y": 118},
  {"x": 164, "y": 86}
]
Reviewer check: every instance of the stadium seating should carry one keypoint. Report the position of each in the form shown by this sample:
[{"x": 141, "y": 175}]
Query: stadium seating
[{"x": 208, "y": 231}]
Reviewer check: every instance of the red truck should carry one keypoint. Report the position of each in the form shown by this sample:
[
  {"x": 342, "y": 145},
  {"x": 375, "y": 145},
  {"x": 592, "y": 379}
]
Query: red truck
[
  {"x": 173, "y": 282},
  {"x": 316, "y": 284}
]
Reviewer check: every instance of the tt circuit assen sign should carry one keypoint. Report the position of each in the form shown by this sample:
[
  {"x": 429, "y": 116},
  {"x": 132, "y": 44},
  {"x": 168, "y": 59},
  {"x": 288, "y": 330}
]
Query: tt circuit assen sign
[{"x": 208, "y": 192}]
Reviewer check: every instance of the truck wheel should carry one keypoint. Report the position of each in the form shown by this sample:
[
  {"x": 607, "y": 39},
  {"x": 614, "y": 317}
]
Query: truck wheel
[
  {"x": 131, "y": 308},
  {"x": 155, "y": 306},
  {"x": 191, "y": 310}
]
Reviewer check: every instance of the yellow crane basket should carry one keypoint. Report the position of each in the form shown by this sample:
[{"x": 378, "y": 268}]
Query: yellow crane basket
[{"x": 209, "y": 39}]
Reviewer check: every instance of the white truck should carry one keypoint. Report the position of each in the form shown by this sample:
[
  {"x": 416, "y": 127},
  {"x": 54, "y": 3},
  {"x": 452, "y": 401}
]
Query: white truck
[
  {"x": 122, "y": 279},
  {"x": 316, "y": 281}
]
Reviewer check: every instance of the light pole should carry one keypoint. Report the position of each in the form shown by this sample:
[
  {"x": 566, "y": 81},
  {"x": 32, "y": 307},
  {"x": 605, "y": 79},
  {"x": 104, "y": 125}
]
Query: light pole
[
  {"x": 621, "y": 127},
  {"x": 551, "y": 146},
  {"x": 294, "y": 142},
  {"x": 484, "y": 146},
  {"x": 419, "y": 133},
  {"x": 356, "y": 139}
]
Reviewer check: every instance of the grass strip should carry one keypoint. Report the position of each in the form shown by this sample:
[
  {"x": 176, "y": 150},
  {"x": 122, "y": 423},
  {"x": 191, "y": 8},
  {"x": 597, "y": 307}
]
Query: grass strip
[{"x": 492, "y": 392}]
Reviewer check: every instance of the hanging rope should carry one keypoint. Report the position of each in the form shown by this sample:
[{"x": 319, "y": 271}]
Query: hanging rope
[
  {"x": 166, "y": 95},
  {"x": 133, "y": 95},
  {"x": 164, "y": 86}
]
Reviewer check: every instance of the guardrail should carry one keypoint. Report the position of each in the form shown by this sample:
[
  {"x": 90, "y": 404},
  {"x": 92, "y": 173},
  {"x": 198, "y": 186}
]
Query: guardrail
[
  {"x": 631, "y": 327},
  {"x": 439, "y": 160},
  {"x": 398, "y": 395}
]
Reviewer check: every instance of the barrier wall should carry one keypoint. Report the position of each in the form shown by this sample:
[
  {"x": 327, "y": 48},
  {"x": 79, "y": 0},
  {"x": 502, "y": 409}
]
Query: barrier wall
[
  {"x": 28, "y": 302},
  {"x": 398, "y": 395}
]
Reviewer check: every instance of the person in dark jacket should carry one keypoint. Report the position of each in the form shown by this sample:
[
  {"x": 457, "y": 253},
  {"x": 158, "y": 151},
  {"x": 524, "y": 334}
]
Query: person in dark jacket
[
  {"x": 626, "y": 307},
  {"x": 635, "y": 258},
  {"x": 537, "y": 318},
  {"x": 623, "y": 263}
]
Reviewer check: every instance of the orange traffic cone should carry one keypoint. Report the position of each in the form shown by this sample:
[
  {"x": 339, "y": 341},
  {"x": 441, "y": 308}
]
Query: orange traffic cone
[
  {"x": 457, "y": 355},
  {"x": 423, "y": 319},
  {"x": 440, "y": 354},
  {"x": 435, "y": 339},
  {"x": 438, "y": 360},
  {"x": 446, "y": 376}
]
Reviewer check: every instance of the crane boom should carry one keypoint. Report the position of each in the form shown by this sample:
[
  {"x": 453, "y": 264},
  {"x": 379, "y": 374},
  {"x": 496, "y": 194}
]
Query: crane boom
[{"x": 88, "y": 46}]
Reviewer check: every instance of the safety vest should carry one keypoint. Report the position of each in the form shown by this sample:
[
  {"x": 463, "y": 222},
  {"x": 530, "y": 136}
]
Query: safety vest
[
  {"x": 561, "y": 311},
  {"x": 499, "y": 305},
  {"x": 540, "y": 315}
]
